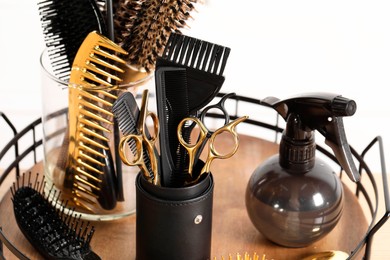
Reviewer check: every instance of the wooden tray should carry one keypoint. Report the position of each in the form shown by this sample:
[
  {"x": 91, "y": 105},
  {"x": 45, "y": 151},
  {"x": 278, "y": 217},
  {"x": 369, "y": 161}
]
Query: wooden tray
[{"x": 232, "y": 231}]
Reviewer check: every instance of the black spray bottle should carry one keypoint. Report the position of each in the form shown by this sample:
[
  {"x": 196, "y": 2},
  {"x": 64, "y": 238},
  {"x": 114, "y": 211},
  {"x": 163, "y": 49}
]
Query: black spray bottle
[{"x": 294, "y": 198}]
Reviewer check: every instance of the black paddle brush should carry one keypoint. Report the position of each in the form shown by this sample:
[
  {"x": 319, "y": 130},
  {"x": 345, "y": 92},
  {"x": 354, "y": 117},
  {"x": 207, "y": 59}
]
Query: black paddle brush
[{"x": 54, "y": 232}]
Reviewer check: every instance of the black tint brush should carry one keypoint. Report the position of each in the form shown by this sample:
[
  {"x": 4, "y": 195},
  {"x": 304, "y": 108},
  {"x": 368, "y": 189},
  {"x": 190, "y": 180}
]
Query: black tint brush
[{"x": 204, "y": 62}]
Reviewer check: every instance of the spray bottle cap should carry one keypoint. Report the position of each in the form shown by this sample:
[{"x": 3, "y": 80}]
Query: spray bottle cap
[{"x": 316, "y": 111}]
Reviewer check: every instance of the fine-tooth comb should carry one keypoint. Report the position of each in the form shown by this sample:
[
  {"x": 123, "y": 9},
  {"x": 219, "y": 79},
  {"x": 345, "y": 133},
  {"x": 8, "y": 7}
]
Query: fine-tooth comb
[
  {"x": 90, "y": 173},
  {"x": 126, "y": 111},
  {"x": 205, "y": 63},
  {"x": 51, "y": 228}
]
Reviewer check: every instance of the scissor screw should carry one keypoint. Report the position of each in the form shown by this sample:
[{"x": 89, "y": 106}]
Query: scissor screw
[{"x": 198, "y": 219}]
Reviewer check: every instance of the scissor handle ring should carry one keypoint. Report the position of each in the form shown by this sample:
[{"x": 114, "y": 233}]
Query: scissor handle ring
[
  {"x": 156, "y": 127},
  {"x": 221, "y": 106},
  {"x": 122, "y": 149}
]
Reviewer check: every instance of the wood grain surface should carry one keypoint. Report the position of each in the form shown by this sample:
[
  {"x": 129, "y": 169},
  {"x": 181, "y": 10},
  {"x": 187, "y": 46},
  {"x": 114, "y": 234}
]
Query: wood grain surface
[{"x": 232, "y": 231}]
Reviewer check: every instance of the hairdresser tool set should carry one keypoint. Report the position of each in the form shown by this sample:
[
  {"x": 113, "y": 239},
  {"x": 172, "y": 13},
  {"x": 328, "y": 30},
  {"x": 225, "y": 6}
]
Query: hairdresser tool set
[{"x": 99, "y": 50}]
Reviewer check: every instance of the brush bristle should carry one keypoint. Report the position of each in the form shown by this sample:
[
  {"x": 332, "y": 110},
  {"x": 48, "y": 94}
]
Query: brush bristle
[
  {"x": 48, "y": 224},
  {"x": 143, "y": 27},
  {"x": 65, "y": 24}
]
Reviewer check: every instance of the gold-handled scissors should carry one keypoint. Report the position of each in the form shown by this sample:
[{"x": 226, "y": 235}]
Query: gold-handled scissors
[
  {"x": 213, "y": 153},
  {"x": 145, "y": 144}
]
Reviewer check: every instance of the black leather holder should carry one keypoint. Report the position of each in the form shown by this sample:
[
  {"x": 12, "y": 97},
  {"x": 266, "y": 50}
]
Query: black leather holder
[{"x": 174, "y": 223}]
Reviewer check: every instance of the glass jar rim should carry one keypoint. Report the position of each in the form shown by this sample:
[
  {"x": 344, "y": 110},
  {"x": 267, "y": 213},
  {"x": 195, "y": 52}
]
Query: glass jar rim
[{"x": 66, "y": 83}]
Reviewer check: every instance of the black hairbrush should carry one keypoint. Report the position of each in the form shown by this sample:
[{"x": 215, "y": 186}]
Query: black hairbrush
[
  {"x": 54, "y": 232},
  {"x": 65, "y": 25}
]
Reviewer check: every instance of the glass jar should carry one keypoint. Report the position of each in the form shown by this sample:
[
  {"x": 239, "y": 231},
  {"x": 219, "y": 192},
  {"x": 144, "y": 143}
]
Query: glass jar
[{"x": 55, "y": 107}]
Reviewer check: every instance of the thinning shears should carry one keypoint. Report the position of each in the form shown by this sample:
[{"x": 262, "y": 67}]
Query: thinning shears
[
  {"x": 207, "y": 136},
  {"x": 145, "y": 154}
]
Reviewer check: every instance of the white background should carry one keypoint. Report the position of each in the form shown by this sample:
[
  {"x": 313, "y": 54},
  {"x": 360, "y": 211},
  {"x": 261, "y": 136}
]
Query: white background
[{"x": 279, "y": 48}]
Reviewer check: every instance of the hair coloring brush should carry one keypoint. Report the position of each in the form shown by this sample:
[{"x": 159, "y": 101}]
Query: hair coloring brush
[
  {"x": 204, "y": 62},
  {"x": 90, "y": 173},
  {"x": 65, "y": 25},
  {"x": 142, "y": 27},
  {"x": 53, "y": 231}
]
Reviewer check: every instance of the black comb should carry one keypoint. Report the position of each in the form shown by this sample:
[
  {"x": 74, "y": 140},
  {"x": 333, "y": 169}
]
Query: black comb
[
  {"x": 126, "y": 112},
  {"x": 53, "y": 231},
  {"x": 205, "y": 63},
  {"x": 172, "y": 107},
  {"x": 65, "y": 25}
]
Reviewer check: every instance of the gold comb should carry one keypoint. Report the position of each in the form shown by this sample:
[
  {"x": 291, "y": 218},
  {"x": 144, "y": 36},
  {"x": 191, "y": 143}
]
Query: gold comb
[
  {"x": 246, "y": 256},
  {"x": 92, "y": 78}
]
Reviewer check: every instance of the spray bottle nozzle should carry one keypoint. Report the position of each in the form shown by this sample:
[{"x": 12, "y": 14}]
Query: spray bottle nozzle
[{"x": 322, "y": 112}]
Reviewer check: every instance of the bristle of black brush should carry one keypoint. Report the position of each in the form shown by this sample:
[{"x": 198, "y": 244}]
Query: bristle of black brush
[
  {"x": 65, "y": 25},
  {"x": 52, "y": 229}
]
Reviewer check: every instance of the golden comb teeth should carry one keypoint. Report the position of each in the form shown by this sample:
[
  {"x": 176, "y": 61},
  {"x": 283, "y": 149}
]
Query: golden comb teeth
[
  {"x": 92, "y": 76},
  {"x": 246, "y": 256}
]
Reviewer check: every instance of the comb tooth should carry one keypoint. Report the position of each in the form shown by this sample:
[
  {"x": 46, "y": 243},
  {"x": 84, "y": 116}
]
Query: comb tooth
[
  {"x": 94, "y": 116},
  {"x": 212, "y": 58},
  {"x": 184, "y": 50},
  {"x": 95, "y": 107},
  {"x": 99, "y": 73},
  {"x": 107, "y": 94},
  {"x": 216, "y": 59},
  {"x": 93, "y": 133},
  {"x": 89, "y": 167},
  {"x": 89, "y": 95},
  {"x": 191, "y": 46},
  {"x": 224, "y": 60},
  {"x": 96, "y": 79},
  {"x": 174, "y": 39},
  {"x": 95, "y": 59},
  {"x": 196, "y": 49},
  {"x": 106, "y": 54},
  {"x": 86, "y": 183},
  {"x": 93, "y": 125},
  {"x": 88, "y": 175},
  {"x": 88, "y": 158},
  {"x": 179, "y": 47},
  {"x": 200, "y": 54},
  {"x": 206, "y": 59},
  {"x": 79, "y": 188},
  {"x": 90, "y": 141},
  {"x": 105, "y": 42}
]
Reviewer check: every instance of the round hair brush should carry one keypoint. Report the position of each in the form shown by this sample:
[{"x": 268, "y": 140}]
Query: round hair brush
[{"x": 142, "y": 28}]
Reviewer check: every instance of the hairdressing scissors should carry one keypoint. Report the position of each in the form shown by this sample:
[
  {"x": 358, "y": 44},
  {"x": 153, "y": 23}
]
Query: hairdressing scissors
[
  {"x": 213, "y": 153},
  {"x": 144, "y": 142},
  {"x": 225, "y": 115},
  {"x": 205, "y": 134}
]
